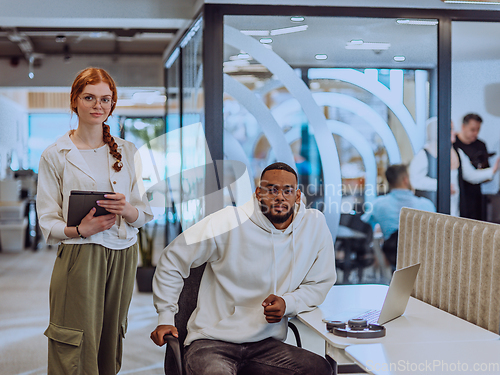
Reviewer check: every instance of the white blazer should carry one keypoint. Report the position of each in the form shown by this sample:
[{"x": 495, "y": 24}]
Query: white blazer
[{"x": 63, "y": 168}]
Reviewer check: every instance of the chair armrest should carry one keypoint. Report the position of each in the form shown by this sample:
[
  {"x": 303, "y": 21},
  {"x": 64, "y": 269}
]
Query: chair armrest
[
  {"x": 296, "y": 333},
  {"x": 173, "y": 342}
]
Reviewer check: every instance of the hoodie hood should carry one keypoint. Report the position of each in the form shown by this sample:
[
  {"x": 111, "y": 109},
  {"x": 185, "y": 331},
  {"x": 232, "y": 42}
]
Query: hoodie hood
[{"x": 252, "y": 210}]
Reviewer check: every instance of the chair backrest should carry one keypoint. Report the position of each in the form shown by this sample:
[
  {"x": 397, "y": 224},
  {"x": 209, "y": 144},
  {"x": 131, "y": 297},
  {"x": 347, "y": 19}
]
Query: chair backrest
[
  {"x": 460, "y": 264},
  {"x": 187, "y": 303}
]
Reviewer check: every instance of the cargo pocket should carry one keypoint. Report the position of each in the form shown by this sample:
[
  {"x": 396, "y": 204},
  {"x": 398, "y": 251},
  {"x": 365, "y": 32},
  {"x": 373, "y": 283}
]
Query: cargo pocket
[
  {"x": 119, "y": 347},
  {"x": 65, "y": 349}
]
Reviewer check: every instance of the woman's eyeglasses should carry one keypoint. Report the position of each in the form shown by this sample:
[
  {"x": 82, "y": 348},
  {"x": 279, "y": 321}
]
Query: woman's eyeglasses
[{"x": 90, "y": 101}]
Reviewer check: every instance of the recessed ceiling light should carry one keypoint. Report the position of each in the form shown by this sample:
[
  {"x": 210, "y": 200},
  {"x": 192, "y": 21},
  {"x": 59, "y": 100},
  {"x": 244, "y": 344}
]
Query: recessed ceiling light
[
  {"x": 355, "y": 44},
  {"x": 255, "y": 32},
  {"x": 399, "y": 58},
  {"x": 297, "y": 18},
  {"x": 266, "y": 40},
  {"x": 288, "y": 30},
  {"x": 417, "y": 22},
  {"x": 320, "y": 56},
  {"x": 484, "y": 2}
]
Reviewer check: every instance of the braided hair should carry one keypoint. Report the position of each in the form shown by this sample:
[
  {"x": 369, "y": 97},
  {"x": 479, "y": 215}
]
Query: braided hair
[{"x": 93, "y": 76}]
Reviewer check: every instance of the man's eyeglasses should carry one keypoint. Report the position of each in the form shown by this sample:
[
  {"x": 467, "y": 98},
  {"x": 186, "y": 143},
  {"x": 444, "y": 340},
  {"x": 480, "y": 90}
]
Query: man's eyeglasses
[
  {"x": 287, "y": 192},
  {"x": 90, "y": 101}
]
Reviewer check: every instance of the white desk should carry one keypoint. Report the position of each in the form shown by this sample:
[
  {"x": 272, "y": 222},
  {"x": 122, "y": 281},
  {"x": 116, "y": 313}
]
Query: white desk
[
  {"x": 421, "y": 323},
  {"x": 457, "y": 357}
]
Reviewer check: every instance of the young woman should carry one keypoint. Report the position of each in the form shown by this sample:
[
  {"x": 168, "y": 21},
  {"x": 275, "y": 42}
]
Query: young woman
[{"x": 94, "y": 272}]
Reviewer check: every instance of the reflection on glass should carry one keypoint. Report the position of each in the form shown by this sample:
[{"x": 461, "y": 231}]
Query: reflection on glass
[
  {"x": 374, "y": 108},
  {"x": 193, "y": 140},
  {"x": 149, "y": 133}
]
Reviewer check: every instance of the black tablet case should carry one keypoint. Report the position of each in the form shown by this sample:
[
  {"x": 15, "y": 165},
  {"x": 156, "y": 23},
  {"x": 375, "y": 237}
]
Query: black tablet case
[{"x": 80, "y": 204}]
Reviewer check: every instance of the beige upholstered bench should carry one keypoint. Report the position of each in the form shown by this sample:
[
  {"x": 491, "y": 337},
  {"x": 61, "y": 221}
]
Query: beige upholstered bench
[{"x": 460, "y": 264}]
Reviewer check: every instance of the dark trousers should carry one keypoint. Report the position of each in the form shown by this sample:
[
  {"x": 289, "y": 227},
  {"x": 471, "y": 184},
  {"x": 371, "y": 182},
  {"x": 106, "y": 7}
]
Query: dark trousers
[
  {"x": 266, "y": 357},
  {"x": 390, "y": 249}
]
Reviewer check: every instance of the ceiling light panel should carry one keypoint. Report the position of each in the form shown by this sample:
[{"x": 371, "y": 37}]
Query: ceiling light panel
[
  {"x": 417, "y": 22},
  {"x": 289, "y": 30},
  {"x": 255, "y": 32},
  {"x": 297, "y": 19},
  {"x": 484, "y": 2},
  {"x": 355, "y": 44}
]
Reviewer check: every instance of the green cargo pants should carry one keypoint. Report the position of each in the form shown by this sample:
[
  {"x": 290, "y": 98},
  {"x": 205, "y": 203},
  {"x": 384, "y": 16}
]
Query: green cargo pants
[{"x": 90, "y": 293}]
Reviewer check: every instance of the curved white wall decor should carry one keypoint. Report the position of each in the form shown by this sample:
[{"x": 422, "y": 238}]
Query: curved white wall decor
[
  {"x": 268, "y": 124},
  {"x": 391, "y": 99},
  {"x": 359, "y": 142},
  {"x": 297, "y": 87},
  {"x": 355, "y": 106},
  {"x": 234, "y": 151}
]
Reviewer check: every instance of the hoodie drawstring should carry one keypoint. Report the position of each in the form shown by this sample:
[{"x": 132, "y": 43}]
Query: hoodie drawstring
[
  {"x": 275, "y": 277},
  {"x": 274, "y": 264},
  {"x": 293, "y": 260}
]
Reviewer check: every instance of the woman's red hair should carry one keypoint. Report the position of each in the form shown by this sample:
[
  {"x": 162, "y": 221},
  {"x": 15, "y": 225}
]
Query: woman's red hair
[{"x": 93, "y": 76}]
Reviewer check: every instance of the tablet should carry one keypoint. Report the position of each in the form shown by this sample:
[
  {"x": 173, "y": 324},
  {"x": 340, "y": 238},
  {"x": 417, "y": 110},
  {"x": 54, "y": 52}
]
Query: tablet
[{"x": 80, "y": 204}]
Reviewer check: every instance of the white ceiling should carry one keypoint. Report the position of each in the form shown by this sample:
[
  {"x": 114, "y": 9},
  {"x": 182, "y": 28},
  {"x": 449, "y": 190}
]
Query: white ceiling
[
  {"x": 329, "y": 35},
  {"x": 421, "y": 4},
  {"x": 138, "y": 33}
]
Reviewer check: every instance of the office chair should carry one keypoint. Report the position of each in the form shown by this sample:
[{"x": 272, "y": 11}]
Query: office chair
[
  {"x": 187, "y": 303},
  {"x": 358, "y": 251}
]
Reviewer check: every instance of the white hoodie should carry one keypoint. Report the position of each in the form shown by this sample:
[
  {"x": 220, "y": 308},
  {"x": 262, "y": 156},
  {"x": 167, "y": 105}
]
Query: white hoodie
[{"x": 247, "y": 260}]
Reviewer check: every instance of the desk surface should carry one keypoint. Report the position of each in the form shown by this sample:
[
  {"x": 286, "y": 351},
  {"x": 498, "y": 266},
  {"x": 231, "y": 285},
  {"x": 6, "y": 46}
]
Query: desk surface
[
  {"x": 421, "y": 323},
  {"x": 458, "y": 357}
]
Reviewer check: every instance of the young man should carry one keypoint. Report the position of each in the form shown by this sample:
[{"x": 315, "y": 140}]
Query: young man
[
  {"x": 467, "y": 141},
  {"x": 267, "y": 260},
  {"x": 386, "y": 208}
]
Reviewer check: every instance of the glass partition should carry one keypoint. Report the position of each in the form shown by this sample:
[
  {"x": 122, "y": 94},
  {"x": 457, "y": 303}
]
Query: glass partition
[
  {"x": 337, "y": 98},
  {"x": 475, "y": 112}
]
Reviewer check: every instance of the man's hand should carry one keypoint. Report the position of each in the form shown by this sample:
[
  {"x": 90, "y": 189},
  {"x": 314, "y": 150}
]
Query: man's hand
[
  {"x": 159, "y": 333},
  {"x": 274, "y": 308}
]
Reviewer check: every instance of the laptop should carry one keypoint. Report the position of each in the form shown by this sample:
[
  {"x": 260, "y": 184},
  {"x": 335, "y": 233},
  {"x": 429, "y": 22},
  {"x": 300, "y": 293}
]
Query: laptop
[{"x": 396, "y": 300}]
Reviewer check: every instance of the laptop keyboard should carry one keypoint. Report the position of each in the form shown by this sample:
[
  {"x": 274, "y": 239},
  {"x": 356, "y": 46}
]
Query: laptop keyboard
[{"x": 371, "y": 316}]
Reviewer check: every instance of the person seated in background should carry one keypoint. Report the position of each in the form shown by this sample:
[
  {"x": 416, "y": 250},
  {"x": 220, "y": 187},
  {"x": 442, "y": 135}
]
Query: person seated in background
[
  {"x": 475, "y": 149},
  {"x": 267, "y": 260},
  {"x": 423, "y": 170},
  {"x": 386, "y": 208}
]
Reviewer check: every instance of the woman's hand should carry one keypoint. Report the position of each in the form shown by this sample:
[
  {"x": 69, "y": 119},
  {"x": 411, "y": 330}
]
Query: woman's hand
[
  {"x": 118, "y": 205},
  {"x": 91, "y": 224}
]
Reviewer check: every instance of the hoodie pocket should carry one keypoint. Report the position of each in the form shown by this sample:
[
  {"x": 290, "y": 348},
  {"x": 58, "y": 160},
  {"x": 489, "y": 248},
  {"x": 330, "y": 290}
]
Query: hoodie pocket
[
  {"x": 66, "y": 347},
  {"x": 244, "y": 325}
]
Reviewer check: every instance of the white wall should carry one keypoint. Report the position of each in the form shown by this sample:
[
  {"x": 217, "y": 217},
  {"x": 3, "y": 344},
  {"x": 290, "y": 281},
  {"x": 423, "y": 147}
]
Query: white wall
[
  {"x": 469, "y": 81},
  {"x": 13, "y": 133}
]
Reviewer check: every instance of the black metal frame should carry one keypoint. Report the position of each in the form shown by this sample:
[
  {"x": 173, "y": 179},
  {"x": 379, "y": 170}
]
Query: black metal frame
[{"x": 213, "y": 75}]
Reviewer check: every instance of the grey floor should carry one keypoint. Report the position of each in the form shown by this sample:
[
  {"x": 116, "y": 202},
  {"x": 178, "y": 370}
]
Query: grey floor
[{"x": 24, "y": 315}]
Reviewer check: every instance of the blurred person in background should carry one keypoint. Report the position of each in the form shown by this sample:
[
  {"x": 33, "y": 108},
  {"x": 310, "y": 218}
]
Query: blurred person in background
[{"x": 466, "y": 140}]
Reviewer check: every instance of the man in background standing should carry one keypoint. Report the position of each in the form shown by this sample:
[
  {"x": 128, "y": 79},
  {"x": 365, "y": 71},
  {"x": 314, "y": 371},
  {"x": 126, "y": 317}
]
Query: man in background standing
[{"x": 478, "y": 155}]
